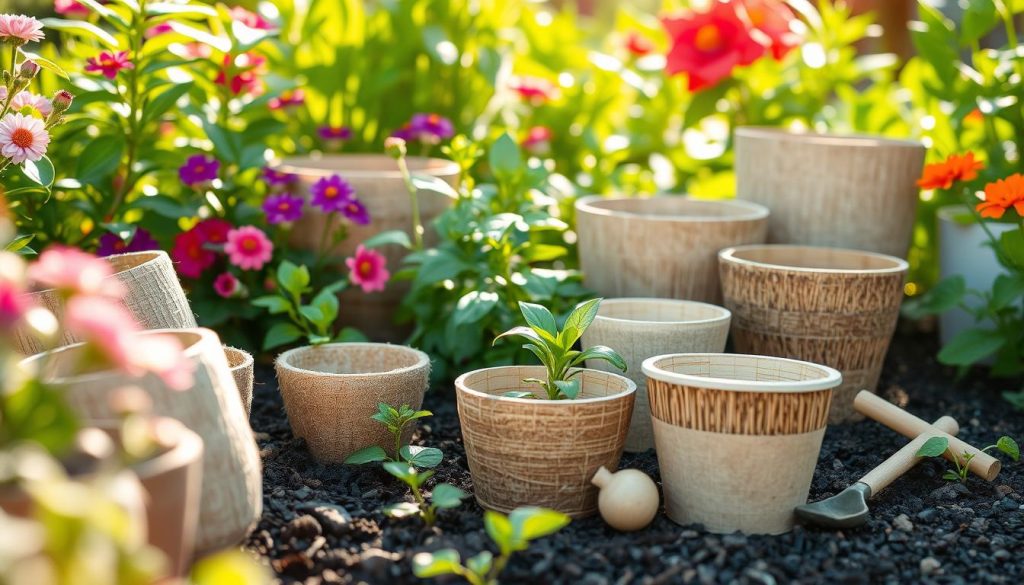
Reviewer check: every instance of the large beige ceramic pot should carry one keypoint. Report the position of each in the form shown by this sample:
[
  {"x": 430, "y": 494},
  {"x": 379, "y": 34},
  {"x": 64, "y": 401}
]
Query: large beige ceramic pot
[
  {"x": 232, "y": 487},
  {"x": 855, "y": 192},
  {"x": 738, "y": 437},
  {"x": 663, "y": 246},
  {"x": 823, "y": 305},
  {"x": 641, "y": 328},
  {"x": 539, "y": 452},
  {"x": 379, "y": 185}
]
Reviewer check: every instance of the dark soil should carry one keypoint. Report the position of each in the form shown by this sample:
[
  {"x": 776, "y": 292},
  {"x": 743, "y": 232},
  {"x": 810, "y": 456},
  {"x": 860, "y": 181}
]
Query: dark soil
[{"x": 323, "y": 523}]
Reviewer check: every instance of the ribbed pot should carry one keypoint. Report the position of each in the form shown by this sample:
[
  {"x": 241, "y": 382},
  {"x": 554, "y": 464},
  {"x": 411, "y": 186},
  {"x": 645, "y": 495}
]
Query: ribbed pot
[
  {"x": 539, "y": 452},
  {"x": 823, "y": 305},
  {"x": 379, "y": 185},
  {"x": 738, "y": 437},
  {"x": 853, "y": 191},
  {"x": 330, "y": 392},
  {"x": 641, "y": 328},
  {"x": 663, "y": 246},
  {"x": 232, "y": 487},
  {"x": 241, "y": 365}
]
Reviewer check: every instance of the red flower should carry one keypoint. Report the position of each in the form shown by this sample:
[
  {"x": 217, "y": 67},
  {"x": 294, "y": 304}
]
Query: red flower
[
  {"x": 244, "y": 70},
  {"x": 190, "y": 253},
  {"x": 638, "y": 45},
  {"x": 774, "y": 20},
  {"x": 535, "y": 90},
  {"x": 108, "y": 64},
  {"x": 707, "y": 46},
  {"x": 213, "y": 230}
]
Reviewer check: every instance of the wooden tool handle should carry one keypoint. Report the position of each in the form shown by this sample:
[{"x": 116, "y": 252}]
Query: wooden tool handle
[
  {"x": 901, "y": 461},
  {"x": 983, "y": 465}
]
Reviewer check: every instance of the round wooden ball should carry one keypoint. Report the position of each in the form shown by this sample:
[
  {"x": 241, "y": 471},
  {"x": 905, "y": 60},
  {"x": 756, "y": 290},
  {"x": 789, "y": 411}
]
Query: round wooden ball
[{"x": 628, "y": 499}]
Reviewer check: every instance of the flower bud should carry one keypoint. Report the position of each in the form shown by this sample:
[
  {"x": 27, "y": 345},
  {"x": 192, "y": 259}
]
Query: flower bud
[
  {"x": 29, "y": 69},
  {"x": 62, "y": 100},
  {"x": 395, "y": 147}
]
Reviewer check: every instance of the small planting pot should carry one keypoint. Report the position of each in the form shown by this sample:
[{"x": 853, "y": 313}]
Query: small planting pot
[
  {"x": 241, "y": 365},
  {"x": 641, "y": 328},
  {"x": 738, "y": 437},
  {"x": 538, "y": 452},
  {"x": 330, "y": 392},
  {"x": 823, "y": 305},
  {"x": 851, "y": 191},
  {"x": 661, "y": 246}
]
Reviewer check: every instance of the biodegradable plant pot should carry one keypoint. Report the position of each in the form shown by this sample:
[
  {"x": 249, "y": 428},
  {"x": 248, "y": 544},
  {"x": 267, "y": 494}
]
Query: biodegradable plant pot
[
  {"x": 738, "y": 437},
  {"x": 527, "y": 452},
  {"x": 662, "y": 246},
  {"x": 241, "y": 364},
  {"x": 232, "y": 498},
  {"x": 822, "y": 305},
  {"x": 641, "y": 328},
  {"x": 853, "y": 191},
  {"x": 330, "y": 392},
  {"x": 153, "y": 296},
  {"x": 379, "y": 185}
]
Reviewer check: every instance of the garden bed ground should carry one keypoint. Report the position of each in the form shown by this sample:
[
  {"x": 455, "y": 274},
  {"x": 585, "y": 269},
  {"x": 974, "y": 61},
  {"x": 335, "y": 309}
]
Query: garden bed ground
[{"x": 922, "y": 529}]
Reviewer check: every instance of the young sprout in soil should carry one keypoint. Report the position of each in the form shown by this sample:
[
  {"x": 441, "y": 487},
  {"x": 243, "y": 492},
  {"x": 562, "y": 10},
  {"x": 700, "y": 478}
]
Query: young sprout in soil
[
  {"x": 554, "y": 348},
  {"x": 937, "y": 446},
  {"x": 404, "y": 464},
  {"x": 511, "y": 534}
]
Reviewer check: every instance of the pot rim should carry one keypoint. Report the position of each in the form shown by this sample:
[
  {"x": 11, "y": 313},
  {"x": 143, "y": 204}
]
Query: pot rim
[
  {"x": 829, "y": 380},
  {"x": 460, "y": 386},
  {"x": 745, "y": 210},
  {"x": 422, "y": 360},
  {"x": 852, "y": 140},
  {"x": 247, "y": 358},
  {"x": 150, "y": 255},
  {"x": 301, "y": 165},
  {"x": 729, "y": 255},
  {"x": 723, "y": 313}
]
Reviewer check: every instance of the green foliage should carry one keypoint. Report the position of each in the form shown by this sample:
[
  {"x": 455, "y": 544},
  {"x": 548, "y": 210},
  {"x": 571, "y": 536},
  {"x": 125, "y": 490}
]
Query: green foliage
[{"x": 938, "y": 447}]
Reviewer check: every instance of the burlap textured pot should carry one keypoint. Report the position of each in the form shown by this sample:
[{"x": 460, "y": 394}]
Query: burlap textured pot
[
  {"x": 661, "y": 246},
  {"x": 153, "y": 296},
  {"x": 379, "y": 185},
  {"x": 823, "y": 305},
  {"x": 854, "y": 191},
  {"x": 232, "y": 487},
  {"x": 642, "y": 328},
  {"x": 241, "y": 364},
  {"x": 526, "y": 452},
  {"x": 738, "y": 437},
  {"x": 330, "y": 392}
]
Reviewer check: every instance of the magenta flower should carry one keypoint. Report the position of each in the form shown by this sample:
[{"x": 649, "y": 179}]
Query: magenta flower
[
  {"x": 198, "y": 169},
  {"x": 157, "y": 30},
  {"x": 535, "y": 90},
  {"x": 190, "y": 254},
  {"x": 213, "y": 230},
  {"x": 368, "y": 269},
  {"x": 275, "y": 178},
  {"x": 111, "y": 243},
  {"x": 288, "y": 98},
  {"x": 334, "y": 132},
  {"x": 283, "y": 208},
  {"x": 430, "y": 128},
  {"x": 250, "y": 19},
  {"x": 356, "y": 212},
  {"x": 108, "y": 64},
  {"x": 226, "y": 285},
  {"x": 16, "y": 29},
  {"x": 248, "y": 247},
  {"x": 538, "y": 141},
  {"x": 404, "y": 133},
  {"x": 70, "y": 8},
  {"x": 331, "y": 193},
  {"x": 13, "y": 303},
  {"x": 74, "y": 272}
]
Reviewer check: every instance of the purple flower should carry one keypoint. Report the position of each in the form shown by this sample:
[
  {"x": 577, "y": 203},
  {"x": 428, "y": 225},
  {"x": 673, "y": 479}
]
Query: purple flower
[
  {"x": 274, "y": 177},
  {"x": 331, "y": 193},
  {"x": 282, "y": 208},
  {"x": 334, "y": 132},
  {"x": 355, "y": 212},
  {"x": 199, "y": 169},
  {"x": 405, "y": 133},
  {"x": 111, "y": 243},
  {"x": 431, "y": 127}
]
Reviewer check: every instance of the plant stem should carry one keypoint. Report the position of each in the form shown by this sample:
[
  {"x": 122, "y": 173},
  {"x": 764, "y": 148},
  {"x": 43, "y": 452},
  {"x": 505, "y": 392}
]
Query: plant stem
[{"x": 414, "y": 202}]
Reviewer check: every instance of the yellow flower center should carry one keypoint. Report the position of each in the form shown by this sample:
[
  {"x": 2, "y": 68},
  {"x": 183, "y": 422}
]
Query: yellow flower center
[
  {"x": 365, "y": 268},
  {"x": 331, "y": 192}
]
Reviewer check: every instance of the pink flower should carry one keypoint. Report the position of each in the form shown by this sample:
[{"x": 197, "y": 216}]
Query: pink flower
[
  {"x": 70, "y": 8},
  {"x": 23, "y": 138},
  {"x": 248, "y": 247},
  {"x": 34, "y": 103},
  {"x": 535, "y": 90},
  {"x": 18, "y": 30},
  {"x": 109, "y": 64},
  {"x": 250, "y": 19},
  {"x": 368, "y": 269},
  {"x": 226, "y": 285},
  {"x": 74, "y": 272},
  {"x": 244, "y": 70},
  {"x": 538, "y": 140},
  {"x": 13, "y": 302},
  {"x": 288, "y": 97}
]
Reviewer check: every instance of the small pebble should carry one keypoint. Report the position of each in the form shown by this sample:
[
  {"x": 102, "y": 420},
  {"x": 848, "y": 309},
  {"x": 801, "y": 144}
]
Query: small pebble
[
  {"x": 902, "y": 522},
  {"x": 929, "y": 566}
]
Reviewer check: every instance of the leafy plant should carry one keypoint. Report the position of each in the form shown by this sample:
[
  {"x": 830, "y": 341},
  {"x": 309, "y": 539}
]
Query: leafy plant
[
  {"x": 554, "y": 348},
  {"x": 938, "y": 446},
  {"x": 511, "y": 534}
]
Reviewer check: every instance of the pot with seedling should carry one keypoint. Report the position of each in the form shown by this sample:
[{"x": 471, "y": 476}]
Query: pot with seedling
[{"x": 535, "y": 435}]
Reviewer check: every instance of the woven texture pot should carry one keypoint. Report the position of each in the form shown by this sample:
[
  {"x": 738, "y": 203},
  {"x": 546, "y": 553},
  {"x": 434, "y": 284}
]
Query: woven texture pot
[
  {"x": 153, "y": 296},
  {"x": 738, "y": 437},
  {"x": 232, "y": 490},
  {"x": 330, "y": 392},
  {"x": 823, "y": 305},
  {"x": 241, "y": 364},
  {"x": 379, "y": 185},
  {"x": 662, "y": 246},
  {"x": 855, "y": 192},
  {"x": 643, "y": 328},
  {"x": 526, "y": 452}
]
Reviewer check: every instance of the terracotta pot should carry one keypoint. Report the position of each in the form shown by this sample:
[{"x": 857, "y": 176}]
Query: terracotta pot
[
  {"x": 527, "y": 452},
  {"x": 822, "y": 305},
  {"x": 330, "y": 392},
  {"x": 855, "y": 192},
  {"x": 661, "y": 246},
  {"x": 379, "y": 185},
  {"x": 241, "y": 364},
  {"x": 153, "y": 296},
  {"x": 642, "y": 328},
  {"x": 738, "y": 437},
  {"x": 232, "y": 498}
]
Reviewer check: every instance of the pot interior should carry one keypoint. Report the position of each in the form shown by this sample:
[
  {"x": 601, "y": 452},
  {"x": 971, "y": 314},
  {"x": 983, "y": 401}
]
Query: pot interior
[
  {"x": 123, "y": 262},
  {"x": 755, "y": 373},
  {"x": 675, "y": 208},
  {"x": 66, "y": 362},
  {"x": 498, "y": 381},
  {"x": 365, "y": 165},
  {"x": 660, "y": 311},
  {"x": 237, "y": 358},
  {"x": 353, "y": 359},
  {"x": 815, "y": 258}
]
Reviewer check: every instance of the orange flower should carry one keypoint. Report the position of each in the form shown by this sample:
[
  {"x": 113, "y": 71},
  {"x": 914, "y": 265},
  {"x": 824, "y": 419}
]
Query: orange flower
[
  {"x": 957, "y": 167},
  {"x": 1001, "y": 195}
]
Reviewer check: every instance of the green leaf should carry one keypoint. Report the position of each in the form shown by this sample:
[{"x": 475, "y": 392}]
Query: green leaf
[
  {"x": 293, "y": 278},
  {"x": 398, "y": 237},
  {"x": 442, "y": 562},
  {"x": 82, "y": 29},
  {"x": 402, "y": 510},
  {"x": 1009, "y": 446},
  {"x": 220, "y": 43},
  {"x": 979, "y": 18},
  {"x": 971, "y": 346},
  {"x": 569, "y": 388},
  {"x": 481, "y": 563},
  {"x": 100, "y": 158},
  {"x": 164, "y": 206},
  {"x": 578, "y": 321},
  {"x": 519, "y": 394},
  {"x": 435, "y": 185},
  {"x": 40, "y": 171},
  {"x": 350, "y": 334},
  {"x": 272, "y": 303},
  {"x": 446, "y": 496},
  {"x": 520, "y": 331},
  {"x": 422, "y": 457},
  {"x": 19, "y": 242},
  {"x": 505, "y": 157},
  {"x": 1006, "y": 290},
  {"x": 327, "y": 302},
  {"x": 603, "y": 353},
  {"x": 281, "y": 334},
  {"x": 313, "y": 314},
  {"x": 199, "y": 11},
  {"x": 474, "y": 306},
  {"x": 500, "y": 530},
  {"x": 370, "y": 454},
  {"x": 933, "y": 447},
  {"x": 1012, "y": 245},
  {"x": 402, "y": 471},
  {"x": 530, "y": 523},
  {"x": 159, "y": 105},
  {"x": 46, "y": 64},
  {"x": 540, "y": 319},
  {"x": 951, "y": 476},
  {"x": 944, "y": 296}
]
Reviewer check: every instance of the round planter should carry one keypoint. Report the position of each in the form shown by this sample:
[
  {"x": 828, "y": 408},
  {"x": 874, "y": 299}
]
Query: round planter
[
  {"x": 330, "y": 392},
  {"x": 241, "y": 365},
  {"x": 661, "y": 246},
  {"x": 538, "y": 452},
  {"x": 231, "y": 498},
  {"x": 822, "y": 305},
  {"x": 738, "y": 437},
  {"x": 853, "y": 191},
  {"x": 642, "y": 328},
  {"x": 379, "y": 185}
]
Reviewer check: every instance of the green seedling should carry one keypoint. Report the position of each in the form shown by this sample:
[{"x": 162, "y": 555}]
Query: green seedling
[{"x": 937, "y": 447}]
